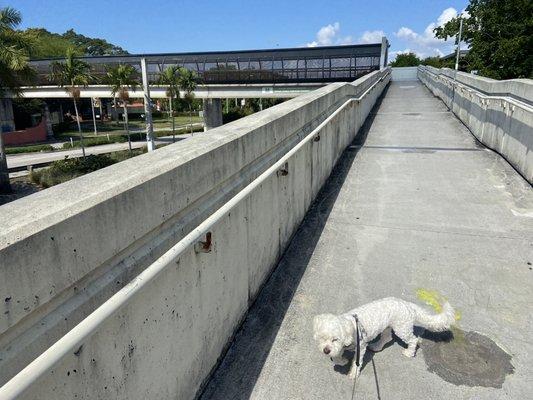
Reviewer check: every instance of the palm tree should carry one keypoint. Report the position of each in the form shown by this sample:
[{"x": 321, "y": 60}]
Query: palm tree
[
  {"x": 14, "y": 70},
  {"x": 171, "y": 78},
  {"x": 188, "y": 82},
  {"x": 71, "y": 74},
  {"x": 122, "y": 78}
]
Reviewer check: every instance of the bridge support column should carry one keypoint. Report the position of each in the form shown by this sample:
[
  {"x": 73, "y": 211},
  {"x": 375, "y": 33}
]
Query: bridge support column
[
  {"x": 7, "y": 122},
  {"x": 383, "y": 59},
  {"x": 49, "y": 131},
  {"x": 212, "y": 113}
]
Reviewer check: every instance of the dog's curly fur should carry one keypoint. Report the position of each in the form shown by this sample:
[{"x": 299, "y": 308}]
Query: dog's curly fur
[{"x": 336, "y": 333}]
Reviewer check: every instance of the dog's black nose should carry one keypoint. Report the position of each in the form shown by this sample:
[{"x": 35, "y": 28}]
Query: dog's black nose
[{"x": 327, "y": 350}]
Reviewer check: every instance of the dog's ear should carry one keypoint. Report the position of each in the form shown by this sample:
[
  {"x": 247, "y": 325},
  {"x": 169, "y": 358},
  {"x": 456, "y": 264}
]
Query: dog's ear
[{"x": 347, "y": 332}]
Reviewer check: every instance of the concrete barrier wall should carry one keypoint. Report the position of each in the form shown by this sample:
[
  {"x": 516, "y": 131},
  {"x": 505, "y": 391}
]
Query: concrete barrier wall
[
  {"x": 498, "y": 113},
  {"x": 65, "y": 250},
  {"x": 404, "y": 73}
]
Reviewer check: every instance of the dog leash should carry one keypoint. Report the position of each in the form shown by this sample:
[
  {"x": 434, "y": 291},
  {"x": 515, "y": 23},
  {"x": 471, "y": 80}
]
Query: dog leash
[{"x": 357, "y": 341}]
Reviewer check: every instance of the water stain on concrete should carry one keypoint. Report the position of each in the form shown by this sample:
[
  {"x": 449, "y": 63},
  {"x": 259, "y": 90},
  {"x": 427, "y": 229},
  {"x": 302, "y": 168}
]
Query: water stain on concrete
[
  {"x": 466, "y": 358},
  {"x": 462, "y": 357}
]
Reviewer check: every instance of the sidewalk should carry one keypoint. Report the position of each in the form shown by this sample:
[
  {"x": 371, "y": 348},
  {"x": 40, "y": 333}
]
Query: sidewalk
[{"x": 418, "y": 205}]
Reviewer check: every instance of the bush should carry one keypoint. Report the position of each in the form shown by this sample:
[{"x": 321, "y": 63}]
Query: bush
[
  {"x": 62, "y": 127},
  {"x": 29, "y": 149},
  {"x": 69, "y": 168},
  {"x": 235, "y": 113}
]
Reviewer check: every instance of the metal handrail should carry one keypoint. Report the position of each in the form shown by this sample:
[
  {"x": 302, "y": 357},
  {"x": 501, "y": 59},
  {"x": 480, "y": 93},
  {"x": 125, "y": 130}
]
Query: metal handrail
[
  {"x": 75, "y": 337},
  {"x": 478, "y": 93}
]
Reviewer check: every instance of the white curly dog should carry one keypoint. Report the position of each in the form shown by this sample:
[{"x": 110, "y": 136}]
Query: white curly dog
[{"x": 358, "y": 327}]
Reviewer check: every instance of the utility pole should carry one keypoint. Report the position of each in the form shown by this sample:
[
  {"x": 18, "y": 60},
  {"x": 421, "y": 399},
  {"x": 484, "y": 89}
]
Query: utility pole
[
  {"x": 147, "y": 108},
  {"x": 459, "y": 43}
]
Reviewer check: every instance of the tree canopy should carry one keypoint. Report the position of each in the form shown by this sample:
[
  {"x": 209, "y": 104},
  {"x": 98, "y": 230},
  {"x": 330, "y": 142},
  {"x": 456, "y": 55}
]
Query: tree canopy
[
  {"x": 121, "y": 78},
  {"x": 14, "y": 52},
  {"x": 499, "y": 35},
  {"x": 48, "y": 44},
  {"x": 71, "y": 73},
  {"x": 406, "y": 60}
]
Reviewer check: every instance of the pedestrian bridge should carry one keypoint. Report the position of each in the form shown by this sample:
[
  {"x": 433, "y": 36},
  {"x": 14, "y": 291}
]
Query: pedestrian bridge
[{"x": 195, "y": 270}]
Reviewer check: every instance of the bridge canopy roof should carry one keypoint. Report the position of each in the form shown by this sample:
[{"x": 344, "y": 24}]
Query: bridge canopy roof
[{"x": 290, "y": 65}]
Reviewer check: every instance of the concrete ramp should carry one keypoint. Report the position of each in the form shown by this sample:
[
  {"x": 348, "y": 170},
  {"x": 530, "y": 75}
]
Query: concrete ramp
[{"x": 415, "y": 205}]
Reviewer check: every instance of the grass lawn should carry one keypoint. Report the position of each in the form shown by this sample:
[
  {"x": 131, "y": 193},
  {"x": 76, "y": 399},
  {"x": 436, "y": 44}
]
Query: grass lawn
[{"x": 29, "y": 149}]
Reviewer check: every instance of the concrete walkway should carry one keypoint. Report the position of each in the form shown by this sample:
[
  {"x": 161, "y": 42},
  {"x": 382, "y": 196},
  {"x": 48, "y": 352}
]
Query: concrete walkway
[{"x": 419, "y": 205}]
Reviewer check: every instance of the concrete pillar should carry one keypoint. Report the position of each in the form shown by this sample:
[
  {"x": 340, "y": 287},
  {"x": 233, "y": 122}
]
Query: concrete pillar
[
  {"x": 48, "y": 119},
  {"x": 7, "y": 124},
  {"x": 212, "y": 113},
  {"x": 7, "y": 121},
  {"x": 384, "y": 53}
]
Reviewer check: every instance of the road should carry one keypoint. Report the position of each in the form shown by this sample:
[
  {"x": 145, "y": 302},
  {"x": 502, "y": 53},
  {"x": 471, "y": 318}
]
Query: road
[{"x": 418, "y": 205}]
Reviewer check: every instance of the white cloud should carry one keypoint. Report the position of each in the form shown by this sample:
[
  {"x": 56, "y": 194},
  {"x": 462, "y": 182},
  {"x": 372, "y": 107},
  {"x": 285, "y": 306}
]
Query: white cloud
[
  {"x": 371, "y": 37},
  {"x": 426, "y": 44},
  {"x": 330, "y": 35},
  {"x": 325, "y": 35},
  {"x": 446, "y": 16}
]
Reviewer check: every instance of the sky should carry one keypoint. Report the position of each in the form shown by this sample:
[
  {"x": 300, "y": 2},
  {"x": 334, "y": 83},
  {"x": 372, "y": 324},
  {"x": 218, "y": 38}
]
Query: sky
[{"x": 158, "y": 26}]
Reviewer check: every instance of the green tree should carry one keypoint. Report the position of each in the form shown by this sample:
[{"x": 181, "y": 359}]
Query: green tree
[
  {"x": 93, "y": 46},
  {"x": 406, "y": 60},
  {"x": 500, "y": 37},
  {"x": 48, "y": 44},
  {"x": 188, "y": 82},
  {"x": 14, "y": 70},
  {"x": 72, "y": 73},
  {"x": 172, "y": 78},
  {"x": 123, "y": 78}
]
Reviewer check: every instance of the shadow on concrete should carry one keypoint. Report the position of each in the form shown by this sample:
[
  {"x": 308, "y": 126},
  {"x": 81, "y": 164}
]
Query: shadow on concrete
[{"x": 237, "y": 374}]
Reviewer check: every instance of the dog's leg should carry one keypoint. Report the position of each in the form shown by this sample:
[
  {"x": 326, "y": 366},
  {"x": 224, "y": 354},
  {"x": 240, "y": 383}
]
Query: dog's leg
[
  {"x": 405, "y": 333},
  {"x": 356, "y": 370},
  {"x": 385, "y": 337}
]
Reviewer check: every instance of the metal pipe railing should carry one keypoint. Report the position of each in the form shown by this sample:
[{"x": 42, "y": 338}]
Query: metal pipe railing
[
  {"x": 478, "y": 93},
  {"x": 75, "y": 337}
]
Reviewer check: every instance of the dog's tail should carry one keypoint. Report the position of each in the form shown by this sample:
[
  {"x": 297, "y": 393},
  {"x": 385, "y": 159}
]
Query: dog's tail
[{"x": 436, "y": 322}]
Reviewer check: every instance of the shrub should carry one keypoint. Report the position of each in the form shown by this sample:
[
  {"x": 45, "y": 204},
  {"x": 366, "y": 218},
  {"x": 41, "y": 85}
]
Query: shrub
[
  {"x": 235, "y": 113},
  {"x": 64, "y": 170},
  {"x": 69, "y": 168},
  {"x": 62, "y": 127}
]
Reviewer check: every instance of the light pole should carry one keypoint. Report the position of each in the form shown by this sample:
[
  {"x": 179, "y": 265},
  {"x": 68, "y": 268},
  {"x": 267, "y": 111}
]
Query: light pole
[
  {"x": 459, "y": 43},
  {"x": 147, "y": 108},
  {"x": 94, "y": 117}
]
